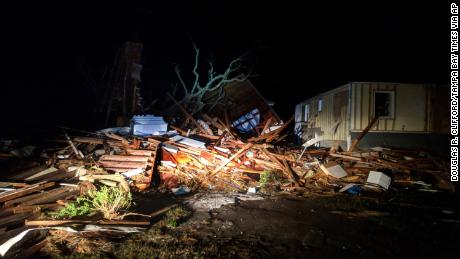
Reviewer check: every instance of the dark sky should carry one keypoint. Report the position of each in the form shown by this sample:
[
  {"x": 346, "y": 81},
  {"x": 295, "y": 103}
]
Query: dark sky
[{"x": 296, "y": 48}]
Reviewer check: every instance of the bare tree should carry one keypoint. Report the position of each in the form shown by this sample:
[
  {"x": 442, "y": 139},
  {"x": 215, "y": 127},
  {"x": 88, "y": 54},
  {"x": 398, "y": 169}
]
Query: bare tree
[{"x": 194, "y": 93}]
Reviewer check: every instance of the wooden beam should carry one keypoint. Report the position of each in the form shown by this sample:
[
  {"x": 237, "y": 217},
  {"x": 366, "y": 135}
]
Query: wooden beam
[
  {"x": 139, "y": 152},
  {"x": 362, "y": 134},
  {"x": 346, "y": 157},
  {"x": 45, "y": 223},
  {"x": 233, "y": 157},
  {"x": 122, "y": 164},
  {"x": 186, "y": 113},
  {"x": 125, "y": 158},
  {"x": 272, "y": 134},
  {"x": 6, "y": 196}
]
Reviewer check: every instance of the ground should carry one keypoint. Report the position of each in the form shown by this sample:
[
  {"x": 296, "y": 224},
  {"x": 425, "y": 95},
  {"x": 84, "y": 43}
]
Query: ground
[{"x": 402, "y": 223}]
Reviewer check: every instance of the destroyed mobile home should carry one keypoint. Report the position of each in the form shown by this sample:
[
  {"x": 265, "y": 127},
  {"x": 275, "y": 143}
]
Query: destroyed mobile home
[
  {"x": 220, "y": 136},
  {"x": 242, "y": 150},
  {"x": 409, "y": 116}
]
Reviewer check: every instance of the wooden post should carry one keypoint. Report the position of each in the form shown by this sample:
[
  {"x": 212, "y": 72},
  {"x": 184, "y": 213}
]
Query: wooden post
[{"x": 363, "y": 133}]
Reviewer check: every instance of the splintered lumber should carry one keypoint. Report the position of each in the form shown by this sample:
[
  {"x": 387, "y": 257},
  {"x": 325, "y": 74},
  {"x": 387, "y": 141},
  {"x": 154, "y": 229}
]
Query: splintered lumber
[
  {"x": 8, "y": 184},
  {"x": 273, "y": 159},
  {"x": 291, "y": 174},
  {"x": 41, "y": 174},
  {"x": 249, "y": 170},
  {"x": 362, "y": 134},
  {"x": 211, "y": 137},
  {"x": 124, "y": 158},
  {"x": 139, "y": 152},
  {"x": 10, "y": 195},
  {"x": 267, "y": 163},
  {"x": 21, "y": 175},
  {"x": 52, "y": 196},
  {"x": 116, "y": 137},
  {"x": 272, "y": 134},
  {"x": 233, "y": 157},
  {"x": 74, "y": 149},
  {"x": 181, "y": 131},
  {"x": 14, "y": 219},
  {"x": 122, "y": 164},
  {"x": 46, "y": 223},
  {"x": 346, "y": 157},
  {"x": 313, "y": 141},
  {"x": 33, "y": 208},
  {"x": 267, "y": 124},
  {"x": 56, "y": 177},
  {"x": 188, "y": 115},
  {"x": 117, "y": 170},
  {"x": 22, "y": 199},
  {"x": 97, "y": 141},
  {"x": 213, "y": 122}
]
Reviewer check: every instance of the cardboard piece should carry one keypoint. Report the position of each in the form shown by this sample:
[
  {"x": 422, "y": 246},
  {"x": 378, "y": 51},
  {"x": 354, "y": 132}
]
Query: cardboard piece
[
  {"x": 379, "y": 179},
  {"x": 334, "y": 170}
]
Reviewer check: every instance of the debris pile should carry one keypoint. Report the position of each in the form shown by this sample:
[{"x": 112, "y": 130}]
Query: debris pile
[{"x": 200, "y": 154}]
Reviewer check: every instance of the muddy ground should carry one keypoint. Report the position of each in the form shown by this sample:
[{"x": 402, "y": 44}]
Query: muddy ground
[{"x": 406, "y": 224}]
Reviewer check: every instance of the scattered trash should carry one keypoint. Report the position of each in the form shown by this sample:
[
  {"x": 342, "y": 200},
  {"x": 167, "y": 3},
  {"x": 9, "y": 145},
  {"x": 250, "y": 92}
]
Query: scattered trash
[
  {"x": 351, "y": 188},
  {"x": 379, "y": 179},
  {"x": 334, "y": 170},
  {"x": 182, "y": 190}
]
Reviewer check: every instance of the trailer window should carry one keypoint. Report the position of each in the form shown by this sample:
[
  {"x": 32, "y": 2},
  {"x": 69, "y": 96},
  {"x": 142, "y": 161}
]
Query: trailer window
[
  {"x": 306, "y": 112},
  {"x": 320, "y": 105},
  {"x": 384, "y": 104}
]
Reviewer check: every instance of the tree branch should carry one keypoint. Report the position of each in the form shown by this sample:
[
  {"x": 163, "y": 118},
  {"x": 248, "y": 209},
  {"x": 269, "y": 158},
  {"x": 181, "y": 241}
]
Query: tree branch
[
  {"x": 179, "y": 76},
  {"x": 195, "y": 69}
]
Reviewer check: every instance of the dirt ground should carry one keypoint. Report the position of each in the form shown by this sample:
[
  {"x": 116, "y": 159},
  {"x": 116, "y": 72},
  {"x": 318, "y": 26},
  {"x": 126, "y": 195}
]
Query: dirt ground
[
  {"x": 338, "y": 226},
  {"x": 405, "y": 224}
]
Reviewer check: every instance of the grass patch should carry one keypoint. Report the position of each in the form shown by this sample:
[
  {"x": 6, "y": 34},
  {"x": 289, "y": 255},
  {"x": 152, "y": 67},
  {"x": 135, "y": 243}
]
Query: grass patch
[
  {"x": 80, "y": 207},
  {"x": 109, "y": 201},
  {"x": 175, "y": 215},
  {"x": 267, "y": 178}
]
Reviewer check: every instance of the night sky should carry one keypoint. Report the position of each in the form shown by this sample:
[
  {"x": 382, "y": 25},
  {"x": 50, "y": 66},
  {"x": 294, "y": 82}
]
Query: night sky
[{"x": 296, "y": 49}]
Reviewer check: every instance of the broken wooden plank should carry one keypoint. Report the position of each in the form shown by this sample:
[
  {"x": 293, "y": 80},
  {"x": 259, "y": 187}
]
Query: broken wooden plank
[
  {"x": 363, "y": 133},
  {"x": 21, "y": 175},
  {"x": 45, "y": 223},
  {"x": 6, "y": 196},
  {"x": 213, "y": 122},
  {"x": 42, "y": 173},
  {"x": 139, "y": 152},
  {"x": 15, "y": 219},
  {"x": 22, "y": 199},
  {"x": 313, "y": 141},
  {"x": 121, "y": 164},
  {"x": 292, "y": 175},
  {"x": 33, "y": 208},
  {"x": 117, "y": 137},
  {"x": 267, "y": 125},
  {"x": 353, "y": 158},
  {"x": 97, "y": 141},
  {"x": 187, "y": 114},
  {"x": 124, "y": 158},
  {"x": 12, "y": 184},
  {"x": 53, "y": 196},
  {"x": 233, "y": 157},
  {"x": 271, "y": 135}
]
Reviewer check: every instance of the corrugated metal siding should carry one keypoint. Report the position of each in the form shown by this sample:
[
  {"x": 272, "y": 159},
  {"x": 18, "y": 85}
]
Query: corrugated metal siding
[
  {"x": 410, "y": 107},
  {"x": 326, "y": 119}
]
